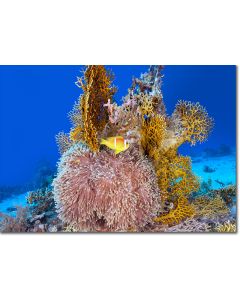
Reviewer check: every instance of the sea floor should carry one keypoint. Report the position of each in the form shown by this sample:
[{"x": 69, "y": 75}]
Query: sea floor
[
  {"x": 221, "y": 172},
  {"x": 8, "y": 206}
]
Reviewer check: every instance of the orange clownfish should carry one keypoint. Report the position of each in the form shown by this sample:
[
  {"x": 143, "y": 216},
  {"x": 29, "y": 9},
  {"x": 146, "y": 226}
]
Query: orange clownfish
[{"x": 116, "y": 143}]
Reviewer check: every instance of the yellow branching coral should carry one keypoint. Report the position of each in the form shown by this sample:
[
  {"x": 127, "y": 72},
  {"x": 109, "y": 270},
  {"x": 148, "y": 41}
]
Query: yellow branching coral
[
  {"x": 192, "y": 123},
  {"x": 176, "y": 182},
  {"x": 226, "y": 227},
  {"x": 90, "y": 115},
  {"x": 76, "y": 133},
  {"x": 210, "y": 208},
  {"x": 180, "y": 212},
  {"x": 175, "y": 176},
  {"x": 152, "y": 135},
  {"x": 174, "y": 172},
  {"x": 147, "y": 105},
  {"x": 70, "y": 228},
  {"x": 184, "y": 182}
]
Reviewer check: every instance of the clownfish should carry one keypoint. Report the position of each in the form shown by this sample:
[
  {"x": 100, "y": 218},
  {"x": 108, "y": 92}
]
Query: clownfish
[{"x": 116, "y": 143}]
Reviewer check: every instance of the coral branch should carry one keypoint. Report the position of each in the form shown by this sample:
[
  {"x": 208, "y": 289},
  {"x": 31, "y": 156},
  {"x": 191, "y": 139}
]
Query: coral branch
[
  {"x": 192, "y": 123},
  {"x": 90, "y": 116},
  {"x": 182, "y": 211},
  {"x": 63, "y": 142}
]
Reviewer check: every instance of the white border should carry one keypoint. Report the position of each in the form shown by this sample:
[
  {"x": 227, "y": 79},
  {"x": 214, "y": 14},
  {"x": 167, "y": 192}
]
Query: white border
[{"x": 123, "y": 266}]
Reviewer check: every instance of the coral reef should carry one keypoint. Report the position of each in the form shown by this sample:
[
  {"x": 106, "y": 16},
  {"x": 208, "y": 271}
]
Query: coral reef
[
  {"x": 175, "y": 176},
  {"x": 63, "y": 142},
  {"x": 120, "y": 168},
  {"x": 38, "y": 216},
  {"x": 226, "y": 227},
  {"x": 191, "y": 123},
  {"x": 152, "y": 136},
  {"x": 43, "y": 216},
  {"x": 15, "y": 224},
  {"x": 227, "y": 193},
  {"x": 143, "y": 123},
  {"x": 70, "y": 228},
  {"x": 180, "y": 212},
  {"x": 207, "y": 207},
  {"x": 90, "y": 116},
  {"x": 190, "y": 225},
  {"x": 205, "y": 187},
  {"x": 104, "y": 192},
  {"x": 41, "y": 200}
]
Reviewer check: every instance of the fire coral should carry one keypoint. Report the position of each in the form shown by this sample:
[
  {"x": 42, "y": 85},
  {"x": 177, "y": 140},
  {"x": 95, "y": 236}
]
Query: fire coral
[{"x": 90, "y": 116}]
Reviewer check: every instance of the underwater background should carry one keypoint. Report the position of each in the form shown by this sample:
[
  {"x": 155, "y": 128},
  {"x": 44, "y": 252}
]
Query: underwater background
[{"x": 35, "y": 102}]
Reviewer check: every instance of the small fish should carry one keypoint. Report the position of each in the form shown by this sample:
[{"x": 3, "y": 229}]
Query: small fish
[{"x": 116, "y": 143}]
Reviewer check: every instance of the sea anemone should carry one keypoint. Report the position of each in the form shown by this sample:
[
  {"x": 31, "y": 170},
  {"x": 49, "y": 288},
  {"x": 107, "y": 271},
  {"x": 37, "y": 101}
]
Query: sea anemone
[{"x": 105, "y": 192}]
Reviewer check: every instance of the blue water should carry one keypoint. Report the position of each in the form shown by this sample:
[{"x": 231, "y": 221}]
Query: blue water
[{"x": 35, "y": 101}]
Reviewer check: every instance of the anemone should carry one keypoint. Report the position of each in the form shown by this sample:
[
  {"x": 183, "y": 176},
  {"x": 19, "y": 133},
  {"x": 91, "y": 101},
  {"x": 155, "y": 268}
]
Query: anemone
[{"x": 104, "y": 192}]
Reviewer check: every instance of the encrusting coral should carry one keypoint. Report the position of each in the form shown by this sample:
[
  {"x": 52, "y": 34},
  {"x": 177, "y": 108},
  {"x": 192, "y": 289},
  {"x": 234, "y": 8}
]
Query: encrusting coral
[
  {"x": 104, "y": 192},
  {"x": 97, "y": 190}
]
